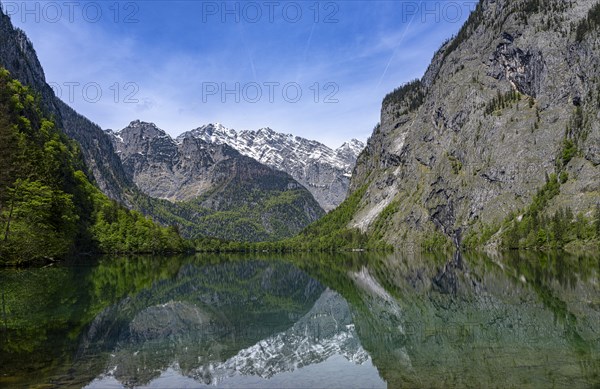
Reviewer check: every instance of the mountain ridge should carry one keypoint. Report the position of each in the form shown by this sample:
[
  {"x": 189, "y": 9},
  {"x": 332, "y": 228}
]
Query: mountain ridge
[
  {"x": 505, "y": 107},
  {"x": 221, "y": 192},
  {"x": 325, "y": 172}
]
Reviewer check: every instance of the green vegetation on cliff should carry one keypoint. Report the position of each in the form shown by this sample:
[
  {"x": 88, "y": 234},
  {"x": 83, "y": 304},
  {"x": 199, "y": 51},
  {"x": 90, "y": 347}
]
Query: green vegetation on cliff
[
  {"x": 589, "y": 23},
  {"x": 272, "y": 216},
  {"x": 536, "y": 228},
  {"x": 48, "y": 207},
  {"x": 502, "y": 101},
  {"x": 410, "y": 95},
  {"x": 330, "y": 233}
]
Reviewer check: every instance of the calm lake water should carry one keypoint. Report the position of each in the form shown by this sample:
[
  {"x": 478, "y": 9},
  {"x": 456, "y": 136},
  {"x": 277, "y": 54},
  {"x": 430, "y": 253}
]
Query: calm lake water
[{"x": 342, "y": 321}]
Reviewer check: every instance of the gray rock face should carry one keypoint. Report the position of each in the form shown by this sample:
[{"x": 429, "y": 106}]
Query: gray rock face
[
  {"x": 18, "y": 56},
  {"x": 201, "y": 178},
  {"x": 162, "y": 168},
  {"x": 460, "y": 159},
  {"x": 188, "y": 167},
  {"x": 323, "y": 171},
  {"x": 524, "y": 70}
]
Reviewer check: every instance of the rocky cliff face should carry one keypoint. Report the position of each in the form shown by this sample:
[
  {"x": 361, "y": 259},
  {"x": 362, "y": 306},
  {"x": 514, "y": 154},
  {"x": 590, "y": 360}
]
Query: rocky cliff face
[
  {"x": 323, "y": 171},
  {"x": 480, "y": 133},
  {"x": 18, "y": 56},
  {"x": 214, "y": 178}
]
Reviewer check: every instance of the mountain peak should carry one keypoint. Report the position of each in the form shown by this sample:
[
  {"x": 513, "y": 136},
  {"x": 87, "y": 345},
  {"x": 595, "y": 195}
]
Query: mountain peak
[
  {"x": 322, "y": 170},
  {"x": 143, "y": 129},
  {"x": 215, "y": 127},
  {"x": 210, "y": 132},
  {"x": 139, "y": 123},
  {"x": 268, "y": 130},
  {"x": 349, "y": 151},
  {"x": 353, "y": 144}
]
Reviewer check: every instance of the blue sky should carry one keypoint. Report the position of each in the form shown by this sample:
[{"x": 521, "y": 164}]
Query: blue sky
[{"x": 182, "y": 64}]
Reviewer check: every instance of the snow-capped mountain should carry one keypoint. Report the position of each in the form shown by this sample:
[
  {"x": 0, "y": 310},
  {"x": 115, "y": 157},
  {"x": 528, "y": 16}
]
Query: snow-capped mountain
[
  {"x": 325, "y": 172},
  {"x": 215, "y": 180},
  {"x": 326, "y": 330}
]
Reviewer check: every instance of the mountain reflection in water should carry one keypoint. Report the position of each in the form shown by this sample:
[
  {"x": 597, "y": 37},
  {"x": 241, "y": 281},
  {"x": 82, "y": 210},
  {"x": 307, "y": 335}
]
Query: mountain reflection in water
[{"x": 343, "y": 320}]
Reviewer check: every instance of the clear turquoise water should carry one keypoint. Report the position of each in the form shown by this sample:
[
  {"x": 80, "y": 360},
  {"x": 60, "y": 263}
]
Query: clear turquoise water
[{"x": 344, "y": 320}]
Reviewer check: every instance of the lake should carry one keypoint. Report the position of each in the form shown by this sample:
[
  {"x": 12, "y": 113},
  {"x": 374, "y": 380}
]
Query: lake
[{"x": 309, "y": 320}]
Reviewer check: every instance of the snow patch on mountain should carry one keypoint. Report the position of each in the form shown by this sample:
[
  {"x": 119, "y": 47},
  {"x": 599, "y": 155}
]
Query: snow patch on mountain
[{"x": 322, "y": 170}]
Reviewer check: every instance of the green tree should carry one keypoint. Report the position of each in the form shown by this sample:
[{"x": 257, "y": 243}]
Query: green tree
[
  {"x": 597, "y": 220},
  {"x": 48, "y": 207}
]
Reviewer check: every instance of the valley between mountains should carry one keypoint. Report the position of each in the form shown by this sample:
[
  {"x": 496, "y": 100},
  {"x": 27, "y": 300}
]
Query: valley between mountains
[{"x": 247, "y": 186}]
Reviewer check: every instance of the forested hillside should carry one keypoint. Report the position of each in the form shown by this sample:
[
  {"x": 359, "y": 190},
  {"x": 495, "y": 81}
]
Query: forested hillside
[{"x": 48, "y": 206}]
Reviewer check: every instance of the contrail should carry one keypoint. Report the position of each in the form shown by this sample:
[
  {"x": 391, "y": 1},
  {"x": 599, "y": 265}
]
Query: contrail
[
  {"x": 394, "y": 53},
  {"x": 248, "y": 52},
  {"x": 304, "y": 55}
]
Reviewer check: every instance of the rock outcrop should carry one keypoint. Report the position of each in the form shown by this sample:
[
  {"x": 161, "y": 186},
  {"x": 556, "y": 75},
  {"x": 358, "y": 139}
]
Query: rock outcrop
[
  {"x": 480, "y": 133},
  {"x": 323, "y": 171}
]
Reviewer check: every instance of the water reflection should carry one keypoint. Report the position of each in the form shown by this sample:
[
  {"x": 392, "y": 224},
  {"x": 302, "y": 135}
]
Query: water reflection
[
  {"x": 482, "y": 322},
  {"x": 249, "y": 318},
  {"x": 310, "y": 320},
  {"x": 204, "y": 352}
]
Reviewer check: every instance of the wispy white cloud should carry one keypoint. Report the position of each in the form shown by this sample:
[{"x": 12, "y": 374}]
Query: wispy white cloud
[{"x": 369, "y": 52}]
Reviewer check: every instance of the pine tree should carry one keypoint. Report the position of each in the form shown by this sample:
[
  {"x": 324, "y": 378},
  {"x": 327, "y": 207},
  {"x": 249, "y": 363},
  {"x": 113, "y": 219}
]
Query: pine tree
[{"x": 597, "y": 220}]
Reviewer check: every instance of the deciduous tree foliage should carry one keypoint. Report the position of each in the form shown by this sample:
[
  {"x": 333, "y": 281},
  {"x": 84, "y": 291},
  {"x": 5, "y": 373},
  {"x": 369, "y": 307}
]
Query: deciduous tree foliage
[
  {"x": 48, "y": 206},
  {"x": 538, "y": 230}
]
